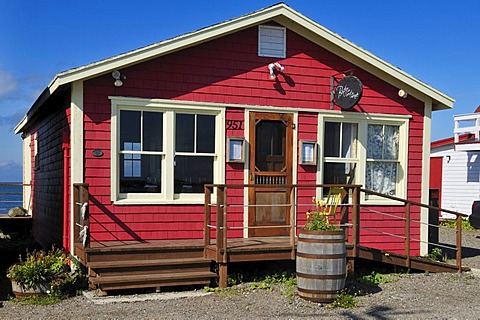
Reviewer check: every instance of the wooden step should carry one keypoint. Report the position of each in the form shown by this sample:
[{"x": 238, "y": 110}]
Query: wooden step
[
  {"x": 147, "y": 263},
  {"x": 152, "y": 280}
]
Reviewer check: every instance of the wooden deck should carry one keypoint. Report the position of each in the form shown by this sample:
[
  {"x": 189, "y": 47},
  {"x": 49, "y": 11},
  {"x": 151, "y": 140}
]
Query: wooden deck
[{"x": 133, "y": 264}]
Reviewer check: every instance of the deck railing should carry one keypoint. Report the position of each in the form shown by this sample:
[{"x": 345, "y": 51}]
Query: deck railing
[
  {"x": 14, "y": 195},
  {"x": 349, "y": 214}
]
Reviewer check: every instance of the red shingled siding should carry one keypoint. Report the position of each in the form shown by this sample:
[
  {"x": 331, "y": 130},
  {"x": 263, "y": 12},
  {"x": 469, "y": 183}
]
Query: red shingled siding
[
  {"x": 47, "y": 179},
  {"x": 228, "y": 70}
]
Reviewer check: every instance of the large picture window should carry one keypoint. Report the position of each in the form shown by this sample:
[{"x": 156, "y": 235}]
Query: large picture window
[{"x": 165, "y": 151}]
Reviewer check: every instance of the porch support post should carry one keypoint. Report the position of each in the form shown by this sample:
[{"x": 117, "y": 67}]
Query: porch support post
[
  {"x": 355, "y": 231},
  {"x": 459, "y": 243},
  {"x": 293, "y": 228},
  {"x": 407, "y": 234},
  {"x": 222, "y": 273}
]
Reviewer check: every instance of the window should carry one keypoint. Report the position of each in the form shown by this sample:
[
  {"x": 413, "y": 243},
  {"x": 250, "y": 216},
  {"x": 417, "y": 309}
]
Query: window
[
  {"x": 194, "y": 152},
  {"x": 164, "y": 150},
  {"x": 340, "y": 143},
  {"x": 271, "y": 41},
  {"x": 141, "y": 144},
  {"x": 366, "y": 151},
  {"x": 382, "y": 158}
]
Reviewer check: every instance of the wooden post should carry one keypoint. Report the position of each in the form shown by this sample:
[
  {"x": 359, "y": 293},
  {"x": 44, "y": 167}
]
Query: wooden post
[
  {"x": 356, "y": 220},
  {"x": 459, "y": 243},
  {"x": 222, "y": 274},
  {"x": 207, "y": 216},
  {"x": 292, "y": 221},
  {"x": 355, "y": 231},
  {"x": 221, "y": 249},
  {"x": 86, "y": 221},
  {"x": 407, "y": 234}
]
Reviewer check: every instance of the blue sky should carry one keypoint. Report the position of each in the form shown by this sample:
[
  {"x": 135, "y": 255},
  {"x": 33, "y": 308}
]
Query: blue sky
[{"x": 435, "y": 41}]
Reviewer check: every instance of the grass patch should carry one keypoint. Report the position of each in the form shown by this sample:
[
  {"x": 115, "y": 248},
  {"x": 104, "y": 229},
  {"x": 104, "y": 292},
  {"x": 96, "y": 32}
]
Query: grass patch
[{"x": 38, "y": 300}]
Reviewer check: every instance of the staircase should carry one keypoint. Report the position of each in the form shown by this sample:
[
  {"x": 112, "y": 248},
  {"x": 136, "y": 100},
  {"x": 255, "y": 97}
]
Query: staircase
[{"x": 115, "y": 268}]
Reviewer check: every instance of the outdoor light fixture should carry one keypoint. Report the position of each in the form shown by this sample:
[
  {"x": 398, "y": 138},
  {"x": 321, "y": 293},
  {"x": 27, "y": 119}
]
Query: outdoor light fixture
[
  {"x": 402, "y": 93},
  {"x": 118, "y": 78},
  {"x": 274, "y": 68}
]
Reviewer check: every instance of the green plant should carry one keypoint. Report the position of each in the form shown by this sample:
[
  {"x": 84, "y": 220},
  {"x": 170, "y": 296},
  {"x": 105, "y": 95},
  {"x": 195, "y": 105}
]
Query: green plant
[
  {"x": 52, "y": 267},
  {"x": 437, "y": 255},
  {"x": 344, "y": 300},
  {"x": 452, "y": 223},
  {"x": 318, "y": 218},
  {"x": 375, "y": 279}
]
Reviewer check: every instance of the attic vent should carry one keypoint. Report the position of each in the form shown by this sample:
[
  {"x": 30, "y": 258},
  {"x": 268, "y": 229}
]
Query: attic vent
[{"x": 271, "y": 41}]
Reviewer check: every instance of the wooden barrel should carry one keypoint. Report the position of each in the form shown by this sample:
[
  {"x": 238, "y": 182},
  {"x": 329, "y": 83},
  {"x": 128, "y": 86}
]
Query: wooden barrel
[{"x": 321, "y": 264}]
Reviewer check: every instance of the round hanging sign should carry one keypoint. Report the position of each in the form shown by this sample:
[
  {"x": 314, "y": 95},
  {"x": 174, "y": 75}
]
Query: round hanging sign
[{"x": 348, "y": 92}]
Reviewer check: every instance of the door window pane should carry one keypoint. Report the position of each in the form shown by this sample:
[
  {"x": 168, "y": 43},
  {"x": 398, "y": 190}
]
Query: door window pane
[{"x": 270, "y": 145}]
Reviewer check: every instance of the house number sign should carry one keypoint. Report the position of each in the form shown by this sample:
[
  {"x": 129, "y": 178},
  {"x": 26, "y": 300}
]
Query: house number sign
[
  {"x": 348, "y": 92},
  {"x": 234, "y": 124}
]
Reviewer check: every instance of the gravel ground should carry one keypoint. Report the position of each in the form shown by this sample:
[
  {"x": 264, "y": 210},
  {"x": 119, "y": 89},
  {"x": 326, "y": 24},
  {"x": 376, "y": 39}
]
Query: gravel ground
[{"x": 409, "y": 296}]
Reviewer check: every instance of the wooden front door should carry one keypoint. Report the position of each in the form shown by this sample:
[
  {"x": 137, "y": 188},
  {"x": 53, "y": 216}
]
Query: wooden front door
[{"x": 271, "y": 153}]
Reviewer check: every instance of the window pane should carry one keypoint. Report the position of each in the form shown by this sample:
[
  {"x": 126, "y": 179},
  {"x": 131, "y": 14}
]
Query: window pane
[
  {"x": 375, "y": 142},
  {"x": 129, "y": 127},
  {"x": 349, "y": 140},
  {"x": 390, "y": 143},
  {"x": 382, "y": 177},
  {"x": 332, "y": 139},
  {"x": 153, "y": 131},
  {"x": 140, "y": 173},
  {"x": 191, "y": 173},
  {"x": 338, "y": 173},
  {"x": 270, "y": 145},
  {"x": 184, "y": 132},
  {"x": 206, "y": 133}
]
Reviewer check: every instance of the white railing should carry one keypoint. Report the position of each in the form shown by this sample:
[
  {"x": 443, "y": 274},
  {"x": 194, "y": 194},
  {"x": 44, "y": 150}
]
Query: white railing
[{"x": 467, "y": 124}]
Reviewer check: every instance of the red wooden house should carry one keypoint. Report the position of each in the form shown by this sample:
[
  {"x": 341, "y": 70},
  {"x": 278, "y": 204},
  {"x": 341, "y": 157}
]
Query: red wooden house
[{"x": 250, "y": 101}]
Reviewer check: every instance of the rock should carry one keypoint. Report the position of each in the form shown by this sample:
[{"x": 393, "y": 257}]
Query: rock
[{"x": 17, "y": 212}]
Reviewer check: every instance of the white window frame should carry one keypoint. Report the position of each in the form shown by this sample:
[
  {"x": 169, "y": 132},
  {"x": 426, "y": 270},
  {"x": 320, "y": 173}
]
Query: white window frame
[
  {"x": 169, "y": 109},
  {"x": 263, "y": 51},
  {"x": 363, "y": 120}
]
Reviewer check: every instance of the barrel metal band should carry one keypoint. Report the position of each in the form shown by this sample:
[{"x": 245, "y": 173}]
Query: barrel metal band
[
  {"x": 321, "y": 256},
  {"x": 317, "y": 292},
  {"x": 316, "y": 240},
  {"x": 324, "y": 277}
]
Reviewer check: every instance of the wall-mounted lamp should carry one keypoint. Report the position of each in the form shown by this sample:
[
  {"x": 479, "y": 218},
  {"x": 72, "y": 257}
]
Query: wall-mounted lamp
[
  {"x": 118, "y": 78},
  {"x": 275, "y": 68},
  {"x": 402, "y": 93}
]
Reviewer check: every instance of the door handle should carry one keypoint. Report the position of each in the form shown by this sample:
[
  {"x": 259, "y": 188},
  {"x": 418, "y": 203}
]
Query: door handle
[{"x": 251, "y": 176}]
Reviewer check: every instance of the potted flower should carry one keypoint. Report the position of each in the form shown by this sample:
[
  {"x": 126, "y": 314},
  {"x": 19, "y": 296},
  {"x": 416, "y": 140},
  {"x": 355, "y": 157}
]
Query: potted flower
[
  {"x": 321, "y": 252},
  {"x": 39, "y": 272}
]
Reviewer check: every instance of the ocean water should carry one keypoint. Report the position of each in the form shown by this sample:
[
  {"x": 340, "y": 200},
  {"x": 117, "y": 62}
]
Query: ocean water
[{"x": 10, "y": 196}]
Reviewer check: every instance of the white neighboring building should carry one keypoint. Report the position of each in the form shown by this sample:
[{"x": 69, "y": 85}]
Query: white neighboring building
[{"x": 455, "y": 165}]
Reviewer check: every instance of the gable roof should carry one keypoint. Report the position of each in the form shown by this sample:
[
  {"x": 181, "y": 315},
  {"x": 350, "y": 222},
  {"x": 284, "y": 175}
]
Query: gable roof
[{"x": 279, "y": 13}]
